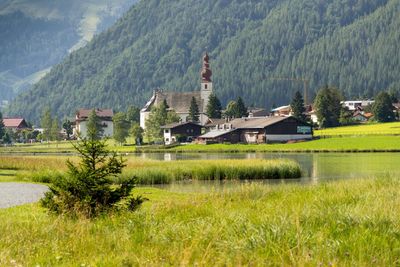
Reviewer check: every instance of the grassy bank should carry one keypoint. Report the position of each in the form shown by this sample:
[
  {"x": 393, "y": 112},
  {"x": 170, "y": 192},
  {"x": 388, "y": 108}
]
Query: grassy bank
[
  {"x": 44, "y": 169},
  {"x": 390, "y": 128},
  {"x": 343, "y": 223},
  {"x": 343, "y": 144}
]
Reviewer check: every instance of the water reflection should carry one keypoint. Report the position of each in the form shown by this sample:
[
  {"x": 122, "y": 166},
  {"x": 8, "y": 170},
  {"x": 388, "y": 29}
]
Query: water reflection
[{"x": 315, "y": 166}]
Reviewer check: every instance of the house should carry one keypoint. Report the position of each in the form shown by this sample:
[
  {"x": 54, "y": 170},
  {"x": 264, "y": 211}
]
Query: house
[
  {"x": 354, "y": 104},
  {"x": 181, "y": 132},
  {"x": 361, "y": 116},
  {"x": 106, "y": 121},
  {"x": 15, "y": 124},
  {"x": 180, "y": 102},
  {"x": 213, "y": 123},
  {"x": 282, "y": 111},
  {"x": 257, "y": 112},
  {"x": 259, "y": 130}
]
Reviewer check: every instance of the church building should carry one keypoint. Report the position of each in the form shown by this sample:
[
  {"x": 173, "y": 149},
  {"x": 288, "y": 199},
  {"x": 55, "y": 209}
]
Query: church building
[{"x": 180, "y": 102}]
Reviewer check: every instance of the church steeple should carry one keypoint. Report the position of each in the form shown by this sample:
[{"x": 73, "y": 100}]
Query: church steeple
[{"x": 206, "y": 72}]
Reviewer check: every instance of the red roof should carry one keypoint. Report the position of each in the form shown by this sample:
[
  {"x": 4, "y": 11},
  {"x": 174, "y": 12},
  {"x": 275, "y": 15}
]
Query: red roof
[
  {"x": 14, "y": 123},
  {"x": 102, "y": 113}
]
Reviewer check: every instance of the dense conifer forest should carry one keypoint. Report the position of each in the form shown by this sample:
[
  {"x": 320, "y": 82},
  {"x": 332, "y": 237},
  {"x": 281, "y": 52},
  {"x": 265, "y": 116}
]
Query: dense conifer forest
[
  {"x": 254, "y": 45},
  {"x": 35, "y": 35}
]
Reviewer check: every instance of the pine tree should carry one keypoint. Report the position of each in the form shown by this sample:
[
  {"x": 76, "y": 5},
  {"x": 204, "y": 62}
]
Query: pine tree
[
  {"x": 94, "y": 128},
  {"x": 241, "y": 108},
  {"x": 297, "y": 106},
  {"x": 383, "y": 108},
  {"x": 92, "y": 187},
  {"x": 213, "y": 109},
  {"x": 194, "y": 111}
]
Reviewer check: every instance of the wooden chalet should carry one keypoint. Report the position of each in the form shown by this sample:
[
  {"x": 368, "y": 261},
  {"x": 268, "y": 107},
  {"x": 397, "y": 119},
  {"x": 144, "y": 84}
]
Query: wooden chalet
[
  {"x": 259, "y": 130},
  {"x": 181, "y": 132}
]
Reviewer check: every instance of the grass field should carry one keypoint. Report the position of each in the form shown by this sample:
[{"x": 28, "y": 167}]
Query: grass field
[
  {"x": 337, "y": 144},
  {"x": 44, "y": 169},
  {"x": 342, "y": 223},
  {"x": 391, "y": 128}
]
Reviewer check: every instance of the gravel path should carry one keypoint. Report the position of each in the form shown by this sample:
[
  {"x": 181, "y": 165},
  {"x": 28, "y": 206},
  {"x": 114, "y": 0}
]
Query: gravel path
[{"x": 14, "y": 194}]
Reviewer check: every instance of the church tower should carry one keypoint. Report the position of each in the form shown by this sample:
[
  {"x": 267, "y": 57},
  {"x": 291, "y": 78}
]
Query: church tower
[{"x": 206, "y": 83}]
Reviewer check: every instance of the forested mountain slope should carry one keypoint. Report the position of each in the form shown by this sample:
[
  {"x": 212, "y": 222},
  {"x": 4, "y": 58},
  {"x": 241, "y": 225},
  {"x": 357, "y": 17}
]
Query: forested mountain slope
[
  {"x": 351, "y": 44},
  {"x": 34, "y": 35}
]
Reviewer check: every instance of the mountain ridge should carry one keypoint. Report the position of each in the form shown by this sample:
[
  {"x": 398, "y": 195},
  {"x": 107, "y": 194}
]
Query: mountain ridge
[{"x": 160, "y": 43}]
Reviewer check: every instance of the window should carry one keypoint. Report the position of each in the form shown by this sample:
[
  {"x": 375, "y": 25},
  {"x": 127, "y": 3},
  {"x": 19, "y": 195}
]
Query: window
[
  {"x": 205, "y": 86},
  {"x": 166, "y": 139},
  {"x": 166, "y": 131}
]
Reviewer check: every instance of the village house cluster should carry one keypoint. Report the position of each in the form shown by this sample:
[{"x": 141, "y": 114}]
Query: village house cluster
[{"x": 259, "y": 126}]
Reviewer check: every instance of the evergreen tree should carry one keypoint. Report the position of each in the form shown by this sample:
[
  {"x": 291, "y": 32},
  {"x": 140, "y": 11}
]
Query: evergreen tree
[
  {"x": 327, "y": 106},
  {"x": 297, "y": 106},
  {"x": 121, "y": 127},
  {"x": 46, "y": 123},
  {"x": 194, "y": 111},
  {"x": 383, "y": 108},
  {"x": 91, "y": 187},
  {"x": 214, "y": 107},
  {"x": 2, "y": 128},
  {"x": 94, "y": 127},
  {"x": 241, "y": 109}
]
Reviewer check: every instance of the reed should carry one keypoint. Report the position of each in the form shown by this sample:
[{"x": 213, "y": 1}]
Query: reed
[{"x": 167, "y": 172}]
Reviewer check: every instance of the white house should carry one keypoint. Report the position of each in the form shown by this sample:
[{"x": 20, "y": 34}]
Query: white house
[
  {"x": 105, "y": 116},
  {"x": 180, "y": 102},
  {"x": 354, "y": 104}
]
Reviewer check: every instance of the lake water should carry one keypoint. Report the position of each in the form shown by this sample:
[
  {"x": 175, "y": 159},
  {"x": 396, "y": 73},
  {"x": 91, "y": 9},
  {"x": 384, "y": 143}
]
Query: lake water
[{"x": 316, "y": 167}]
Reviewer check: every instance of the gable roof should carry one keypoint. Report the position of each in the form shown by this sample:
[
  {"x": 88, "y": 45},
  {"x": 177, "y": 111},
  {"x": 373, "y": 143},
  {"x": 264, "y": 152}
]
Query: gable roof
[
  {"x": 179, "y": 124},
  {"x": 178, "y": 101},
  {"x": 15, "y": 123},
  {"x": 216, "y": 133},
  {"x": 83, "y": 114},
  {"x": 256, "y": 123}
]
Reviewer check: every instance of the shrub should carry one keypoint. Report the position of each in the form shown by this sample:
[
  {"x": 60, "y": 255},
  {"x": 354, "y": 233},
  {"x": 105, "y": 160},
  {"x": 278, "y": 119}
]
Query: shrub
[{"x": 92, "y": 187}]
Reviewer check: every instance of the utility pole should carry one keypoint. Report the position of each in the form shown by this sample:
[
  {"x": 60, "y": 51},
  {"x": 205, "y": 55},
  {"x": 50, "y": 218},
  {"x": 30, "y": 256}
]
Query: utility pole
[{"x": 303, "y": 80}]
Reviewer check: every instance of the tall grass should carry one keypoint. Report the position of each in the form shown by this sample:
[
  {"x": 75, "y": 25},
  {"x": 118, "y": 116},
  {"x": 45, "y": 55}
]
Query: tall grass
[
  {"x": 46, "y": 168},
  {"x": 167, "y": 172},
  {"x": 342, "y": 223}
]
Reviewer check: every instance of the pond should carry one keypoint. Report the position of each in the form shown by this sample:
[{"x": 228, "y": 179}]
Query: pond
[{"x": 316, "y": 166}]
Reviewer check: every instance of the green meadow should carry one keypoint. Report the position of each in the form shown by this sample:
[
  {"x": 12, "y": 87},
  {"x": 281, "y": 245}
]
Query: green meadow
[
  {"x": 341, "y": 223},
  {"x": 390, "y": 128},
  {"x": 335, "y": 144}
]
